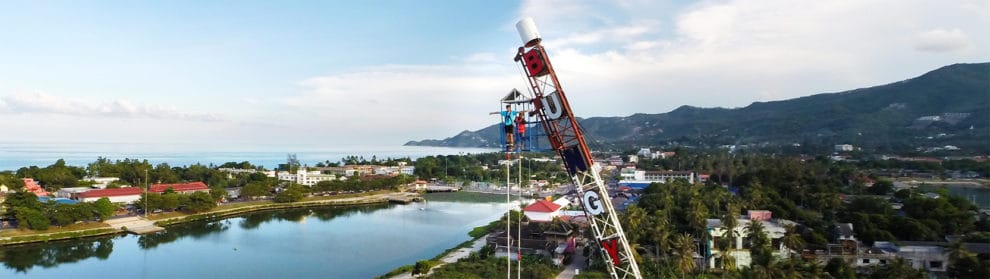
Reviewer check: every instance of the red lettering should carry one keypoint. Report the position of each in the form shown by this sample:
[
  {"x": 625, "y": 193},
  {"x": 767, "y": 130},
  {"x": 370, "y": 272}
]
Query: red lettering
[
  {"x": 534, "y": 63},
  {"x": 612, "y": 249}
]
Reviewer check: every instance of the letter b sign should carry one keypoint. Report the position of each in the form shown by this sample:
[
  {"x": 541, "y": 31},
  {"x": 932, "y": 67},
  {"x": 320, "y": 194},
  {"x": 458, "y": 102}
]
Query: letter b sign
[{"x": 535, "y": 63}]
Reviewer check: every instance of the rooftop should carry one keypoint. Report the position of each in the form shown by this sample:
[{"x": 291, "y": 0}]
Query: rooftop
[
  {"x": 542, "y": 206},
  {"x": 179, "y": 187},
  {"x": 127, "y": 191}
]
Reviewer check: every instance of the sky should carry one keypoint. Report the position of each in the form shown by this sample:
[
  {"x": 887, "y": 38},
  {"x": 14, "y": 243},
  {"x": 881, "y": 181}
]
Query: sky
[{"x": 384, "y": 72}]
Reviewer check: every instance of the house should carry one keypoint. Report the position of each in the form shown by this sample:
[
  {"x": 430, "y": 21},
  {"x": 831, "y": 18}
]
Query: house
[
  {"x": 32, "y": 186},
  {"x": 419, "y": 185},
  {"x": 542, "y": 211},
  {"x": 118, "y": 195},
  {"x": 182, "y": 188},
  {"x": 703, "y": 177},
  {"x": 554, "y": 240},
  {"x": 774, "y": 229}
]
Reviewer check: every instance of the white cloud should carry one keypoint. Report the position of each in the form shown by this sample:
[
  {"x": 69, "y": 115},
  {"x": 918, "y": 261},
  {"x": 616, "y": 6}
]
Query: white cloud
[
  {"x": 731, "y": 53},
  {"x": 44, "y": 103},
  {"x": 942, "y": 40},
  {"x": 416, "y": 101}
]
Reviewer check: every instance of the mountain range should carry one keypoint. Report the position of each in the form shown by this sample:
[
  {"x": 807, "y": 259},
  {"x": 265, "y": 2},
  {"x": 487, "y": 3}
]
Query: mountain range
[{"x": 944, "y": 109}]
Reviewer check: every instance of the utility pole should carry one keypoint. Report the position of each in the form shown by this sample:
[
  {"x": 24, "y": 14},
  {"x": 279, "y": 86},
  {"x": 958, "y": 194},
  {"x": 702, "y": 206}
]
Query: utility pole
[{"x": 146, "y": 190}]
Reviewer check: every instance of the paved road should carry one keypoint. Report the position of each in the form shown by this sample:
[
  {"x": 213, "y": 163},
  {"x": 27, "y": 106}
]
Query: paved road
[{"x": 577, "y": 263}]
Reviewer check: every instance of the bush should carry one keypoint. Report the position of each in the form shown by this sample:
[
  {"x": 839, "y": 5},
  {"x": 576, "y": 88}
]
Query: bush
[
  {"x": 32, "y": 219},
  {"x": 293, "y": 193},
  {"x": 422, "y": 267}
]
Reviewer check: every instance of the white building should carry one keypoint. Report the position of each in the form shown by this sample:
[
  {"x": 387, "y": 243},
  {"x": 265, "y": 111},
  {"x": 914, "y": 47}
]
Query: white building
[
  {"x": 843, "y": 147},
  {"x": 774, "y": 229},
  {"x": 101, "y": 182},
  {"x": 304, "y": 177},
  {"x": 640, "y": 178}
]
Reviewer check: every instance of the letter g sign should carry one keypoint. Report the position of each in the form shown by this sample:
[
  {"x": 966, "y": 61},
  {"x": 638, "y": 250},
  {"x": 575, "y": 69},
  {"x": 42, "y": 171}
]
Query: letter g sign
[{"x": 592, "y": 203}]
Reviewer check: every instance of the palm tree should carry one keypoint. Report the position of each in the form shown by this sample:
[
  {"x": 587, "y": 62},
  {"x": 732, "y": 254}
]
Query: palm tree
[
  {"x": 729, "y": 223},
  {"x": 957, "y": 251},
  {"x": 635, "y": 216},
  {"x": 759, "y": 243},
  {"x": 661, "y": 233},
  {"x": 697, "y": 216},
  {"x": 791, "y": 239},
  {"x": 684, "y": 244}
]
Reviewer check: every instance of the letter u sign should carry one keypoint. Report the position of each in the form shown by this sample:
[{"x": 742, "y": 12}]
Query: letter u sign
[{"x": 552, "y": 107}]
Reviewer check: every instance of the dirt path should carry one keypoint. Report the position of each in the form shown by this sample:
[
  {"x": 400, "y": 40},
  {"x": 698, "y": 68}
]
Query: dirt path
[{"x": 451, "y": 257}]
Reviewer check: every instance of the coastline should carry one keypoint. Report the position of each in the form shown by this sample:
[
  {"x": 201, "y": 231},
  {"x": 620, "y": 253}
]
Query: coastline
[
  {"x": 969, "y": 183},
  {"x": 174, "y": 218}
]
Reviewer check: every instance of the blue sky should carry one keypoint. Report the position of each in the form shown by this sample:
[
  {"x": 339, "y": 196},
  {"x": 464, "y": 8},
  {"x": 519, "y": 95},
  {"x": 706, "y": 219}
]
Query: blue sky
[{"x": 384, "y": 72}]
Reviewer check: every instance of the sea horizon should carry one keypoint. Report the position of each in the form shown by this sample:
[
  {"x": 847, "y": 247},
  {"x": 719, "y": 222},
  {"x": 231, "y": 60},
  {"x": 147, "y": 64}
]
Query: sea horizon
[{"x": 15, "y": 155}]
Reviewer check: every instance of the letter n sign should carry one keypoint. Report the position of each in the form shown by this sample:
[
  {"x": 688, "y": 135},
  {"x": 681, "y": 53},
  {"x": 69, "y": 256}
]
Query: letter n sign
[{"x": 535, "y": 63}]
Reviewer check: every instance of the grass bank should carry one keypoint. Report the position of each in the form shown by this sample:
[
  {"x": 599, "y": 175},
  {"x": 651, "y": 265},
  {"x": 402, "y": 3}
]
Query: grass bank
[
  {"x": 236, "y": 209},
  {"x": 82, "y": 230}
]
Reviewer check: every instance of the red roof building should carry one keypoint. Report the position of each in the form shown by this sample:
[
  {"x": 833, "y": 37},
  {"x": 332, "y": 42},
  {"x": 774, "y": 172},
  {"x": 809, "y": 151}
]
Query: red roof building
[
  {"x": 32, "y": 186},
  {"x": 542, "y": 206},
  {"x": 542, "y": 211},
  {"x": 124, "y": 195},
  {"x": 180, "y": 187}
]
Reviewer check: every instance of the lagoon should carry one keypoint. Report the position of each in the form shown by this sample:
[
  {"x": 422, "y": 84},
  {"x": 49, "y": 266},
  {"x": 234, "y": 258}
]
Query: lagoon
[{"x": 349, "y": 242}]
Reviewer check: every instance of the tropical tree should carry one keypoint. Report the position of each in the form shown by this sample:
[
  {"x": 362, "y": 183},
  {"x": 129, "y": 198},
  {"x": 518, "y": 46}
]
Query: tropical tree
[
  {"x": 634, "y": 218},
  {"x": 899, "y": 268},
  {"x": 661, "y": 233},
  {"x": 792, "y": 240},
  {"x": 759, "y": 243},
  {"x": 684, "y": 244},
  {"x": 104, "y": 208}
]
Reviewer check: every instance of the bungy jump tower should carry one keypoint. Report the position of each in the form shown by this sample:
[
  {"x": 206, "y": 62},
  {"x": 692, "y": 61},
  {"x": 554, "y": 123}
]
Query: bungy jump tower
[{"x": 549, "y": 106}]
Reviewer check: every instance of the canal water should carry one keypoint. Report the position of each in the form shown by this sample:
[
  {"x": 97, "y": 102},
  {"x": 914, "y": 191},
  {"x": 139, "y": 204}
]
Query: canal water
[{"x": 351, "y": 242}]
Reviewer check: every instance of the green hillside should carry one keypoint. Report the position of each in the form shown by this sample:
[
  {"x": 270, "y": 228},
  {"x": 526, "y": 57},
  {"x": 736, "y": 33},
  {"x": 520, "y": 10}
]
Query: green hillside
[{"x": 887, "y": 118}]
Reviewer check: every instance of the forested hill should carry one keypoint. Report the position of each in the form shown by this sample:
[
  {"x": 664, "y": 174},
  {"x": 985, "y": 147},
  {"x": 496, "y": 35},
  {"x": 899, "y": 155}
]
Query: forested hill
[{"x": 949, "y": 106}]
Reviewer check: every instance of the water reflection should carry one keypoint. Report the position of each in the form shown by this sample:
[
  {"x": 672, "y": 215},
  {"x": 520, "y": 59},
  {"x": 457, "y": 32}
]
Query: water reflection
[
  {"x": 23, "y": 258},
  {"x": 322, "y": 242},
  {"x": 195, "y": 230}
]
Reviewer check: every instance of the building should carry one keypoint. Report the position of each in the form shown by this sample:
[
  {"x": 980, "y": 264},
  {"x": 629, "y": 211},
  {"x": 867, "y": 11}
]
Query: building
[
  {"x": 542, "y": 211},
  {"x": 182, "y": 188},
  {"x": 931, "y": 256},
  {"x": 640, "y": 178},
  {"x": 101, "y": 182},
  {"x": 843, "y": 148},
  {"x": 118, "y": 195},
  {"x": 70, "y": 193},
  {"x": 553, "y": 240},
  {"x": 32, "y": 186},
  {"x": 306, "y": 177},
  {"x": 774, "y": 229}
]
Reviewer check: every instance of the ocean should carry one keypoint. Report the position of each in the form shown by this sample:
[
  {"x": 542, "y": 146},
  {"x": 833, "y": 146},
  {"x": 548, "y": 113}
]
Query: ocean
[{"x": 14, "y": 155}]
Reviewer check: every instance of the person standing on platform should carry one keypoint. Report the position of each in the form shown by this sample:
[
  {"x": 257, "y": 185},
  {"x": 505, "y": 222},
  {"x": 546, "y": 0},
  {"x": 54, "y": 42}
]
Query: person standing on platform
[
  {"x": 521, "y": 130},
  {"x": 508, "y": 120}
]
